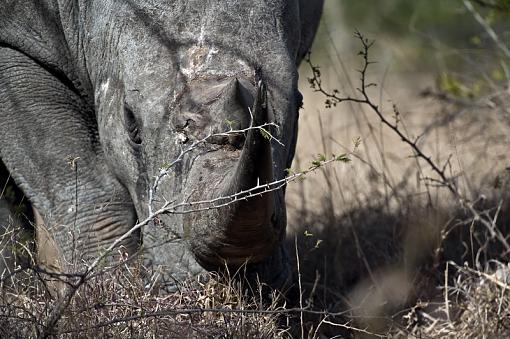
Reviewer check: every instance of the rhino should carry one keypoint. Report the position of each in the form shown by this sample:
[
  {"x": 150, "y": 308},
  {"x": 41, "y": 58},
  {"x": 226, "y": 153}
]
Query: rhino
[{"x": 100, "y": 101}]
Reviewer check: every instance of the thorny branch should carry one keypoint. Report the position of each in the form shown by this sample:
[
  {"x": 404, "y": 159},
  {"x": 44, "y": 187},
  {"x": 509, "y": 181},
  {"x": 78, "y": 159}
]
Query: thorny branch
[
  {"x": 165, "y": 171},
  {"x": 334, "y": 97},
  {"x": 203, "y": 205},
  {"x": 173, "y": 207},
  {"x": 263, "y": 129}
]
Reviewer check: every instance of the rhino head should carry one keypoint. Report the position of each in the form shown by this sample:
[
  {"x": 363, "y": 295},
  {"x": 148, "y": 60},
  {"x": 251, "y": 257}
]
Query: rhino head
[{"x": 164, "y": 80}]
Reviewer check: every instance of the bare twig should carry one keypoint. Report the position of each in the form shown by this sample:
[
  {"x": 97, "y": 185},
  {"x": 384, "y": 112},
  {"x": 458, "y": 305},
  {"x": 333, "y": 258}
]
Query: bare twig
[{"x": 166, "y": 169}]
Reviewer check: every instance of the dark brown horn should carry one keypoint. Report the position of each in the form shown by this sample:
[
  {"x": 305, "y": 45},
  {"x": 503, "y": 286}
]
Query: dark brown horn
[{"x": 255, "y": 164}]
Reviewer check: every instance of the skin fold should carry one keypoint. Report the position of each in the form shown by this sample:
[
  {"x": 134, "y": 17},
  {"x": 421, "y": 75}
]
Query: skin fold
[{"x": 96, "y": 97}]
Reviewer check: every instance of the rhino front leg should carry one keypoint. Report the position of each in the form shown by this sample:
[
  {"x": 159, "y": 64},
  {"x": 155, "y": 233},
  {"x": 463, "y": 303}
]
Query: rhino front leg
[{"x": 48, "y": 254}]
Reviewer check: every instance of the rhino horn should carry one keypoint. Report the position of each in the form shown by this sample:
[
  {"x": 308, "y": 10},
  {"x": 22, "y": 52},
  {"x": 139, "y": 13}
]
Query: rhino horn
[
  {"x": 255, "y": 164},
  {"x": 250, "y": 234}
]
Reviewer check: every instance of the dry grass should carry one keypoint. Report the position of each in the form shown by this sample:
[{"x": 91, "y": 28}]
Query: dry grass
[
  {"x": 475, "y": 305},
  {"x": 122, "y": 303}
]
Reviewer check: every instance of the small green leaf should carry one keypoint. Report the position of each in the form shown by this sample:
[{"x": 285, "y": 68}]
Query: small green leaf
[
  {"x": 231, "y": 123},
  {"x": 497, "y": 74},
  {"x": 343, "y": 158},
  {"x": 316, "y": 163},
  {"x": 319, "y": 160},
  {"x": 476, "y": 40},
  {"x": 317, "y": 244},
  {"x": 265, "y": 134},
  {"x": 308, "y": 234},
  {"x": 450, "y": 84},
  {"x": 289, "y": 172},
  {"x": 165, "y": 166}
]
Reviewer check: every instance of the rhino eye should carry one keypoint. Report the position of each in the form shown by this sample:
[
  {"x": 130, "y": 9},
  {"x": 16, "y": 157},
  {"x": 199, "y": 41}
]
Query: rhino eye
[{"x": 132, "y": 127}]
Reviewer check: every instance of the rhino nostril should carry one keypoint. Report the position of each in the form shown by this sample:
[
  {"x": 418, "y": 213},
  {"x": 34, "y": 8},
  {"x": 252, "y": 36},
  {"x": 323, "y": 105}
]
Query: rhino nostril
[
  {"x": 188, "y": 122},
  {"x": 184, "y": 123}
]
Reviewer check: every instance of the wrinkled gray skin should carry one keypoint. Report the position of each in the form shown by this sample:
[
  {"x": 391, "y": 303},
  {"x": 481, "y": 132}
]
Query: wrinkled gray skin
[{"x": 122, "y": 86}]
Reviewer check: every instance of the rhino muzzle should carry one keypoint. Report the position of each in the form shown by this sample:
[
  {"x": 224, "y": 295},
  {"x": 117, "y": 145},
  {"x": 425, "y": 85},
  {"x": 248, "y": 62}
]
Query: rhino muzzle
[{"x": 246, "y": 230}]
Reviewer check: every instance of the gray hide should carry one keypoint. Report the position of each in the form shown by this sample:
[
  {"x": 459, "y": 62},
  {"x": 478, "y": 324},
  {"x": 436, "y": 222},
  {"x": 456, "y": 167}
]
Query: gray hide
[{"x": 97, "y": 96}]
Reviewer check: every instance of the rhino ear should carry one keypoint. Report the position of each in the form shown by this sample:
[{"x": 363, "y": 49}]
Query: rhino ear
[
  {"x": 309, "y": 13},
  {"x": 50, "y": 145}
]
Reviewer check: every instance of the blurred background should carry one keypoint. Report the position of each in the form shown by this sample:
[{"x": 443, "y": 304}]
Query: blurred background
[{"x": 374, "y": 235}]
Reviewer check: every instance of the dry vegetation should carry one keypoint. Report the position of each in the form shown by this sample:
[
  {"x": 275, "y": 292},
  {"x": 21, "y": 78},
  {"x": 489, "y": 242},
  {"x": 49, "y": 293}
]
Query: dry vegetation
[
  {"x": 409, "y": 239},
  {"x": 121, "y": 303}
]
